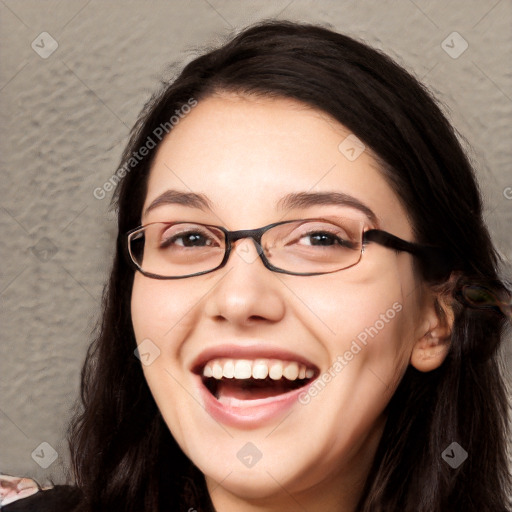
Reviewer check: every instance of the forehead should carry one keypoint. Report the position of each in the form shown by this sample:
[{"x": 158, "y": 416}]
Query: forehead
[{"x": 246, "y": 153}]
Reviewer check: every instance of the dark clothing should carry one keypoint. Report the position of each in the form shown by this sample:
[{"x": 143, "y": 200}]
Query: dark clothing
[{"x": 61, "y": 498}]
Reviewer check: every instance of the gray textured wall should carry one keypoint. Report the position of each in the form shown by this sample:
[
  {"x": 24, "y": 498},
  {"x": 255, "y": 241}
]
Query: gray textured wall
[{"x": 65, "y": 119}]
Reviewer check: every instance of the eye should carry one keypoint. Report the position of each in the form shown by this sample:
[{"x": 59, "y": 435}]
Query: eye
[
  {"x": 322, "y": 238},
  {"x": 321, "y": 235},
  {"x": 188, "y": 237}
]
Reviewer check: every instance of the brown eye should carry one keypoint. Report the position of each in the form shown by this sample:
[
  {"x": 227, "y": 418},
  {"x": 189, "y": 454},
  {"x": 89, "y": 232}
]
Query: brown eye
[
  {"x": 191, "y": 239},
  {"x": 321, "y": 235},
  {"x": 188, "y": 236},
  {"x": 322, "y": 239}
]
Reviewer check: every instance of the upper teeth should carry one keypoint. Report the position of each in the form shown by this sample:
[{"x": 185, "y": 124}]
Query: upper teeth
[{"x": 257, "y": 369}]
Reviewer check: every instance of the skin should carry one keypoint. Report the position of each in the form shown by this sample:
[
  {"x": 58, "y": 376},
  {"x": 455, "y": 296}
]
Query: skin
[
  {"x": 14, "y": 488},
  {"x": 245, "y": 153}
]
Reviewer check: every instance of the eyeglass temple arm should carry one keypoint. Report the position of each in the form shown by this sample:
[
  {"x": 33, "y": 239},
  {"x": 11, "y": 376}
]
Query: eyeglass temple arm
[
  {"x": 393, "y": 242},
  {"x": 436, "y": 262}
]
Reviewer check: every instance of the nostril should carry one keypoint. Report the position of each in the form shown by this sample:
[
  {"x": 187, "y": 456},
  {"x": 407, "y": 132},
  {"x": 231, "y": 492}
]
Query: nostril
[{"x": 257, "y": 318}]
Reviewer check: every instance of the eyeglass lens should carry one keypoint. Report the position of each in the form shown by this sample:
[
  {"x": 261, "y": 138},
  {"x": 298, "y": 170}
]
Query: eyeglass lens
[{"x": 177, "y": 249}]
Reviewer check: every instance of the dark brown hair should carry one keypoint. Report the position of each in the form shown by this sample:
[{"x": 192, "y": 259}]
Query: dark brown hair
[{"x": 123, "y": 455}]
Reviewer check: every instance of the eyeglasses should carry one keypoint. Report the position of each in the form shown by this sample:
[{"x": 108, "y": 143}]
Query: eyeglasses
[{"x": 306, "y": 247}]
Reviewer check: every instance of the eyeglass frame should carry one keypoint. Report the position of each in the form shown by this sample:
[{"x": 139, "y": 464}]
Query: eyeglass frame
[{"x": 441, "y": 261}]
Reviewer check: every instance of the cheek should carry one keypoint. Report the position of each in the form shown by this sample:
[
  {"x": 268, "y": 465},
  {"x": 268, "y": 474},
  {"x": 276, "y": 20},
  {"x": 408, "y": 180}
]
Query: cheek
[
  {"x": 367, "y": 330},
  {"x": 342, "y": 308},
  {"x": 367, "y": 337},
  {"x": 160, "y": 310},
  {"x": 367, "y": 360},
  {"x": 161, "y": 318}
]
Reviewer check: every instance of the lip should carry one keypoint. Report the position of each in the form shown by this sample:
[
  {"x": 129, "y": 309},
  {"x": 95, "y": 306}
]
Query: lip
[
  {"x": 253, "y": 351},
  {"x": 249, "y": 416}
]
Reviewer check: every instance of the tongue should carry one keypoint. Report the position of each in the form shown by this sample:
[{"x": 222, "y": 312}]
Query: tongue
[{"x": 251, "y": 389}]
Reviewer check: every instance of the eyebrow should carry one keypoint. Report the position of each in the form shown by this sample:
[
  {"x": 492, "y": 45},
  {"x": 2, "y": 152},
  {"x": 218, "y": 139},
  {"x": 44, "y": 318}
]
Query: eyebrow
[
  {"x": 308, "y": 199},
  {"x": 288, "y": 202},
  {"x": 190, "y": 199}
]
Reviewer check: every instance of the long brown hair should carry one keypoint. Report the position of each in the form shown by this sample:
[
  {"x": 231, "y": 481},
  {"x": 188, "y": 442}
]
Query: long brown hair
[{"x": 124, "y": 456}]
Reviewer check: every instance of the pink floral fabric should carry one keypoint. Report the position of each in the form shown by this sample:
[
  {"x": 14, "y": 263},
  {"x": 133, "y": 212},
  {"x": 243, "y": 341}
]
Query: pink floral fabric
[{"x": 13, "y": 488}]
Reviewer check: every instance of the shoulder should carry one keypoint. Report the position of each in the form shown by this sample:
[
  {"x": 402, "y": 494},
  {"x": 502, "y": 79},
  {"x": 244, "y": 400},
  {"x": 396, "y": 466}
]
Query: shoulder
[{"x": 61, "y": 498}]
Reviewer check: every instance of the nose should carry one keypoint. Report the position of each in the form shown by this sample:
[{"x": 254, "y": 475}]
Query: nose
[{"x": 248, "y": 292}]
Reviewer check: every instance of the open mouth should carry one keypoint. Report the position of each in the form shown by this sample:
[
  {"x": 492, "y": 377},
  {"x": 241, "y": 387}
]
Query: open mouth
[{"x": 234, "y": 382}]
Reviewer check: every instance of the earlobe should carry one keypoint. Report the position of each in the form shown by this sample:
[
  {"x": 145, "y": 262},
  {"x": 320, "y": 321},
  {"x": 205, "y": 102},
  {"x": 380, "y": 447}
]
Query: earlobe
[
  {"x": 433, "y": 339},
  {"x": 430, "y": 351}
]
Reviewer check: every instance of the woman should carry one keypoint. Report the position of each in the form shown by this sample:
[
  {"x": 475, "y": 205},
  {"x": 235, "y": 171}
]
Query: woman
[{"x": 313, "y": 299}]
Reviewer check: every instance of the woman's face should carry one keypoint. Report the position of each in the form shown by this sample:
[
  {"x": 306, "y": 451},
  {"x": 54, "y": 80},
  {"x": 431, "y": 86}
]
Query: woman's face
[{"x": 354, "y": 328}]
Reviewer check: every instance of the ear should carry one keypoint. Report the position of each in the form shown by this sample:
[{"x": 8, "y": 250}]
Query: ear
[{"x": 433, "y": 337}]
